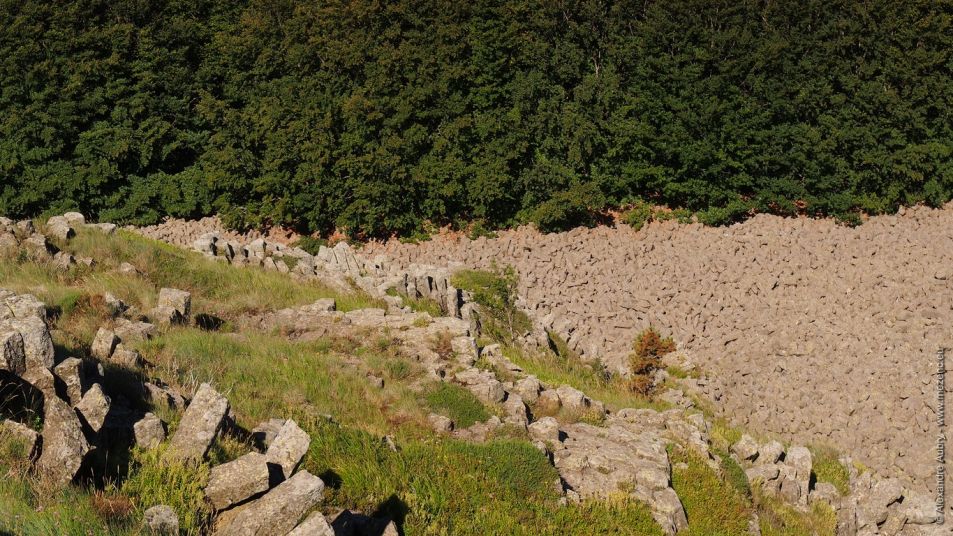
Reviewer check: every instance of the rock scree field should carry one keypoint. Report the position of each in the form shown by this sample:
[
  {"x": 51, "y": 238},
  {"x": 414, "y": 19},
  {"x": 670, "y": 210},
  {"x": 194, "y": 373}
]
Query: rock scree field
[
  {"x": 810, "y": 330},
  {"x": 227, "y": 383}
]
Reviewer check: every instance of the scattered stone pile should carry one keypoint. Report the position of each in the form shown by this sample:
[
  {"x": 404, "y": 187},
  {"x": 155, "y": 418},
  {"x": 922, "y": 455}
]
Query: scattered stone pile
[
  {"x": 258, "y": 493},
  {"x": 22, "y": 237},
  {"x": 585, "y": 455},
  {"x": 184, "y": 233},
  {"x": 873, "y": 506},
  {"x": 342, "y": 268},
  {"x": 838, "y": 325}
]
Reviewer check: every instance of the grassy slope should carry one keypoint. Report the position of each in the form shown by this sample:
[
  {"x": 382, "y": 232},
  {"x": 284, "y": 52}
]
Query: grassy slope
[{"x": 433, "y": 485}]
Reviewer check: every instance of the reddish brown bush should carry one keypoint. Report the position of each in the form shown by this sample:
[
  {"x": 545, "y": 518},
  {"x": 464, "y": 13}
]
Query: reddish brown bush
[
  {"x": 651, "y": 344},
  {"x": 648, "y": 348}
]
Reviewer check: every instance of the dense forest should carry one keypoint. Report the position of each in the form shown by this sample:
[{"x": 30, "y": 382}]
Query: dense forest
[{"x": 377, "y": 116}]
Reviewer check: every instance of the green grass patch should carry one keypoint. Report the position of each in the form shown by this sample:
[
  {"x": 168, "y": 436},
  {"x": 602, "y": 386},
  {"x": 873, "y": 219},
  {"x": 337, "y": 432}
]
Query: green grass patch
[
  {"x": 733, "y": 473},
  {"x": 457, "y": 403},
  {"x": 159, "y": 478},
  {"x": 779, "y": 519},
  {"x": 828, "y": 468},
  {"x": 453, "y": 487},
  {"x": 713, "y": 506},
  {"x": 266, "y": 375}
]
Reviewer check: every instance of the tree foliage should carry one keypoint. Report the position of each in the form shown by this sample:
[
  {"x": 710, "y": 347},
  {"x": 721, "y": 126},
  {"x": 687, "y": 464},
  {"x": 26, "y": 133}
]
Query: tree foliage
[{"x": 376, "y": 116}]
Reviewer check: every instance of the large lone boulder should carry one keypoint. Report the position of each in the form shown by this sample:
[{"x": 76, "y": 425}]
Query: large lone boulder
[
  {"x": 277, "y": 512},
  {"x": 289, "y": 447},
  {"x": 64, "y": 444},
  {"x": 238, "y": 480},
  {"x": 200, "y": 425}
]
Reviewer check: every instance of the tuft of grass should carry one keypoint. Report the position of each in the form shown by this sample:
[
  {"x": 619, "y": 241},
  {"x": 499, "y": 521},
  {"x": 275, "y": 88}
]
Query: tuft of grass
[
  {"x": 722, "y": 434},
  {"x": 457, "y": 403},
  {"x": 159, "y": 478},
  {"x": 495, "y": 292},
  {"x": 424, "y": 305},
  {"x": 828, "y": 468},
  {"x": 713, "y": 506},
  {"x": 14, "y": 460},
  {"x": 733, "y": 473},
  {"x": 24, "y": 509},
  {"x": 779, "y": 519}
]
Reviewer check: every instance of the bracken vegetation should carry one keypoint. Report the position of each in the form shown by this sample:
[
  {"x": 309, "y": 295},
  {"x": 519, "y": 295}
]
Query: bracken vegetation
[{"x": 377, "y": 117}]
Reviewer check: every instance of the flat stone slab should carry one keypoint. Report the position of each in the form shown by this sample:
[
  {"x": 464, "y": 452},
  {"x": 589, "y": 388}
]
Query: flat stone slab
[
  {"x": 200, "y": 425},
  {"x": 238, "y": 480},
  {"x": 277, "y": 512}
]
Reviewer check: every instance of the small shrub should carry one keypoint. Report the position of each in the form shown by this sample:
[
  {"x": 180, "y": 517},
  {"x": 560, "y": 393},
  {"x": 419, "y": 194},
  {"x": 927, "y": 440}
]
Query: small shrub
[
  {"x": 398, "y": 369},
  {"x": 648, "y": 348},
  {"x": 478, "y": 229},
  {"x": 637, "y": 216},
  {"x": 112, "y": 507},
  {"x": 575, "y": 207},
  {"x": 457, "y": 403},
  {"x": 681, "y": 215},
  {"x": 733, "y": 212},
  {"x": 650, "y": 343},
  {"x": 442, "y": 344}
]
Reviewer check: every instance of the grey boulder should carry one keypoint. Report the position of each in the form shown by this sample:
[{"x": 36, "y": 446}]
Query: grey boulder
[{"x": 200, "y": 424}]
